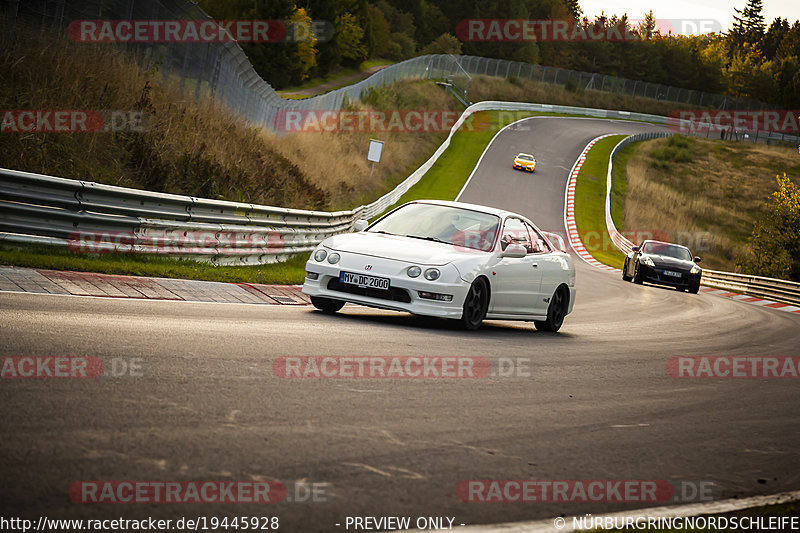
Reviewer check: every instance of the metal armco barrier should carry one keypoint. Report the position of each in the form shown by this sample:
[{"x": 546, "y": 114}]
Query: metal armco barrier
[
  {"x": 91, "y": 217},
  {"x": 757, "y": 286}
]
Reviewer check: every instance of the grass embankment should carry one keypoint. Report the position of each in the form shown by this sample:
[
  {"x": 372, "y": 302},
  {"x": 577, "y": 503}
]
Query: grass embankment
[
  {"x": 705, "y": 194},
  {"x": 193, "y": 147},
  {"x": 590, "y": 203}
]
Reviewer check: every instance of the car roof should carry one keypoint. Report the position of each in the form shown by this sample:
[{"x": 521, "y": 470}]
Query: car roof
[{"x": 473, "y": 207}]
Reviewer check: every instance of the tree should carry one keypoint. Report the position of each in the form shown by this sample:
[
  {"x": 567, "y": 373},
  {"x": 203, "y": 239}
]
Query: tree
[
  {"x": 349, "y": 39},
  {"x": 381, "y": 33},
  {"x": 306, "y": 53},
  {"x": 446, "y": 43},
  {"x": 748, "y": 25},
  {"x": 775, "y": 242}
]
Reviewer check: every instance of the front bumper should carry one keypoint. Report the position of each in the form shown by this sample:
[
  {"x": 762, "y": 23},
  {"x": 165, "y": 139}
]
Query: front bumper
[
  {"x": 656, "y": 275},
  {"x": 403, "y": 294},
  {"x": 524, "y": 167}
]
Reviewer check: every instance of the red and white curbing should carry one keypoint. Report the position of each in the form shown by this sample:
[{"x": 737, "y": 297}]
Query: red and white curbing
[
  {"x": 751, "y": 300},
  {"x": 577, "y": 245},
  {"x": 569, "y": 209}
]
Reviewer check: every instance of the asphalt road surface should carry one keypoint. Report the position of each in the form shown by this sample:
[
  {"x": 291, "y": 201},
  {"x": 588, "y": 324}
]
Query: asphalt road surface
[{"x": 592, "y": 402}]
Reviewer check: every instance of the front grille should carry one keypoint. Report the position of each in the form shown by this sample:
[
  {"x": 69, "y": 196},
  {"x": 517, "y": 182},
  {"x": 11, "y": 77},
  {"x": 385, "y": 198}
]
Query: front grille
[{"x": 394, "y": 294}]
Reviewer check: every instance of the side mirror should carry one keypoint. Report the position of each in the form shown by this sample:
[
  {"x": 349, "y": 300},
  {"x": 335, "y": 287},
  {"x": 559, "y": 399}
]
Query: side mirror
[
  {"x": 514, "y": 251},
  {"x": 361, "y": 225},
  {"x": 696, "y": 259},
  {"x": 635, "y": 248}
]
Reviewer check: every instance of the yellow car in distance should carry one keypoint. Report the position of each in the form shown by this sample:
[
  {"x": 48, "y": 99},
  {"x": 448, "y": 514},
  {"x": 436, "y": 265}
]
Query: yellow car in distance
[{"x": 525, "y": 162}]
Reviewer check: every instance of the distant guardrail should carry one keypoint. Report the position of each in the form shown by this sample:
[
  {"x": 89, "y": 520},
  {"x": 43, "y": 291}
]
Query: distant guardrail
[{"x": 768, "y": 288}]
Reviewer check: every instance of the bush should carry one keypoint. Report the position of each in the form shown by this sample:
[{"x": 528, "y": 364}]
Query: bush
[{"x": 775, "y": 242}]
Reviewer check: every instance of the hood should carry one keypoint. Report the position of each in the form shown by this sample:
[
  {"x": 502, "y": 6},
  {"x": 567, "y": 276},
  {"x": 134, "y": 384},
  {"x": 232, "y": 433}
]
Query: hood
[
  {"x": 664, "y": 261},
  {"x": 399, "y": 248}
]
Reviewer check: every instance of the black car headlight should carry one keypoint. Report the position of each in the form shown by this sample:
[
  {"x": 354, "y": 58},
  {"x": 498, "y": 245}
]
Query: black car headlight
[
  {"x": 645, "y": 260},
  {"x": 695, "y": 270}
]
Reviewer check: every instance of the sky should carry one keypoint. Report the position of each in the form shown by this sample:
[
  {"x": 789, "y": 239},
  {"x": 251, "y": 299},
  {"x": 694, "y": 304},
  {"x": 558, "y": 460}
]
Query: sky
[{"x": 691, "y": 16}]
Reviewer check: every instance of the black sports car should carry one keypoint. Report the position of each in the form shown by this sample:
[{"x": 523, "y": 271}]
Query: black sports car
[{"x": 663, "y": 263}]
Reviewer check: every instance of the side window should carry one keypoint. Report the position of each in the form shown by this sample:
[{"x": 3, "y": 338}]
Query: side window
[
  {"x": 539, "y": 244},
  {"x": 516, "y": 231}
]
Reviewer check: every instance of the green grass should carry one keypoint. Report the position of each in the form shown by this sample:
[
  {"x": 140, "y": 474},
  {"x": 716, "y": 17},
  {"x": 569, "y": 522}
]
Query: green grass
[
  {"x": 291, "y": 272},
  {"x": 619, "y": 188},
  {"x": 590, "y": 205}
]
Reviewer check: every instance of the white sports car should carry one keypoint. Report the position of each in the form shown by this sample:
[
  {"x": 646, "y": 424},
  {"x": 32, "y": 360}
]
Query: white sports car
[{"x": 446, "y": 259}]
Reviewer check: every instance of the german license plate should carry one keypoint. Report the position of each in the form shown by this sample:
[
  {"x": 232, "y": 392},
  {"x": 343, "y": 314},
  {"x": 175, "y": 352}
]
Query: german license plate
[
  {"x": 364, "y": 281},
  {"x": 671, "y": 273}
]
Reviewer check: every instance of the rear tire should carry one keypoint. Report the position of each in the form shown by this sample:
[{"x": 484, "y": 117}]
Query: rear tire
[
  {"x": 326, "y": 305},
  {"x": 475, "y": 305},
  {"x": 625, "y": 277},
  {"x": 556, "y": 311}
]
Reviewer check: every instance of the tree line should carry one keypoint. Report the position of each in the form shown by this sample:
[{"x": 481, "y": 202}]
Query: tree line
[{"x": 751, "y": 60}]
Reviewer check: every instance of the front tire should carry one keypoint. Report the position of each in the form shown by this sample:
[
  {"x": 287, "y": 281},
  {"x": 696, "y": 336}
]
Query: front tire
[
  {"x": 475, "y": 305},
  {"x": 326, "y": 305},
  {"x": 637, "y": 275},
  {"x": 694, "y": 288},
  {"x": 556, "y": 312},
  {"x": 625, "y": 276}
]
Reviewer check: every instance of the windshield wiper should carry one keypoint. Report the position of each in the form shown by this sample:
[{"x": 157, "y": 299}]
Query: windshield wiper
[{"x": 432, "y": 239}]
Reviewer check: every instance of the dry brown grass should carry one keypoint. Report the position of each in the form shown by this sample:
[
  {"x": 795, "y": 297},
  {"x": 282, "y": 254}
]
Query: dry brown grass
[
  {"x": 708, "y": 203},
  {"x": 193, "y": 147}
]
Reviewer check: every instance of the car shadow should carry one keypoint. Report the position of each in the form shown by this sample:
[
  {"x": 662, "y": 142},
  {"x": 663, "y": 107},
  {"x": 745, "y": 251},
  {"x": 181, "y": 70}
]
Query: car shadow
[{"x": 489, "y": 329}]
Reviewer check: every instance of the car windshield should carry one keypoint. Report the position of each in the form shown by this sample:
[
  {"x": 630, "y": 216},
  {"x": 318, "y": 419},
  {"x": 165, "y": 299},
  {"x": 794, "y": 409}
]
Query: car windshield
[
  {"x": 525, "y": 157},
  {"x": 439, "y": 223},
  {"x": 669, "y": 250}
]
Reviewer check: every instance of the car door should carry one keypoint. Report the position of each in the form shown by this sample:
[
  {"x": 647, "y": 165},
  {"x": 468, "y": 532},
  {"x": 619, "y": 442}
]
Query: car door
[
  {"x": 550, "y": 265},
  {"x": 516, "y": 281}
]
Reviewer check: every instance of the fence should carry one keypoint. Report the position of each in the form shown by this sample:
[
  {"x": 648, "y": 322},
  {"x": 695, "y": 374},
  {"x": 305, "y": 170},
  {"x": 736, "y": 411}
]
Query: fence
[{"x": 225, "y": 71}]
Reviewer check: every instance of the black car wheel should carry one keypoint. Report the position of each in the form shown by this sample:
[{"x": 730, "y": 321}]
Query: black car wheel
[
  {"x": 475, "y": 305},
  {"x": 556, "y": 311},
  {"x": 625, "y": 276},
  {"x": 637, "y": 274},
  {"x": 694, "y": 288},
  {"x": 326, "y": 305}
]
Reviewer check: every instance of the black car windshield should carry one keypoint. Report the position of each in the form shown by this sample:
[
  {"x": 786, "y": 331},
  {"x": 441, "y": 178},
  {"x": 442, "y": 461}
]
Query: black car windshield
[
  {"x": 669, "y": 250},
  {"x": 439, "y": 223}
]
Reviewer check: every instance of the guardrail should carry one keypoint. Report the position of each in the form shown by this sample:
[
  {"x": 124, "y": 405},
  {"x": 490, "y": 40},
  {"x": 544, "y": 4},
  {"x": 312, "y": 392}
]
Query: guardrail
[
  {"x": 92, "y": 217},
  {"x": 768, "y": 288}
]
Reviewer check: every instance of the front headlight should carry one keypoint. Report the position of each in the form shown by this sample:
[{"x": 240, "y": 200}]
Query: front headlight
[
  {"x": 695, "y": 269},
  {"x": 334, "y": 258},
  {"x": 432, "y": 274},
  {"x": 414, "y": 271},
  {"x": 320, "y": 255},
  {"x": 645, "y": 260}
]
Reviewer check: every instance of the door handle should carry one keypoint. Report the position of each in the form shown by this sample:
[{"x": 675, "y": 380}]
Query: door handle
[{"x": 535, "y": 265}]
